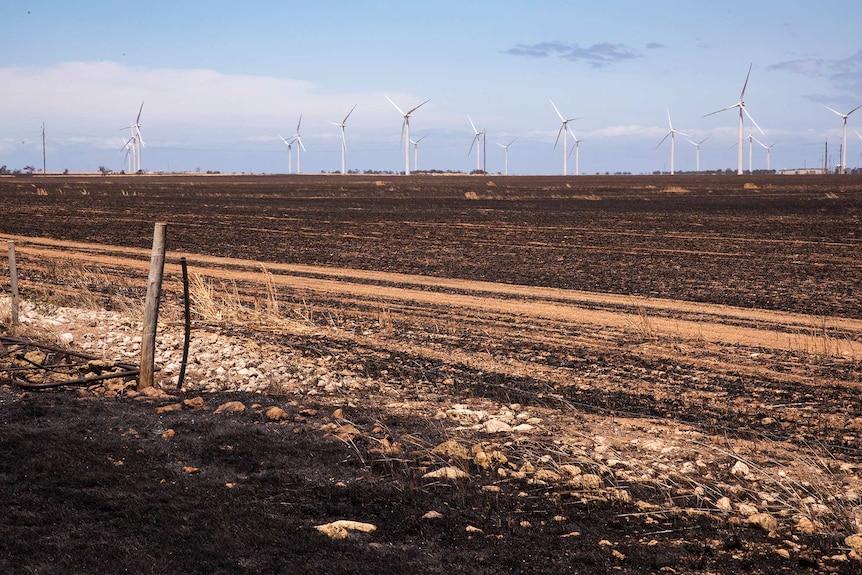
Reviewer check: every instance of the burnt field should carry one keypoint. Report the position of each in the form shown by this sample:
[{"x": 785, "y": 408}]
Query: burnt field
[
  {"x": 779, "y": 242},
  {"x": 634, "y": 374}
]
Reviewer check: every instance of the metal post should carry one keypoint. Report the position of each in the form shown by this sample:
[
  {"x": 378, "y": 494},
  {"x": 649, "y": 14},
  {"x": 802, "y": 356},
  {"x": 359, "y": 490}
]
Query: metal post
[
  {"x": 188, "y": 323},
  {"x": 151, "y": 308}
]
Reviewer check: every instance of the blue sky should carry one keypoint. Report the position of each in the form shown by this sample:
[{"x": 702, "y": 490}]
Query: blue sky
[{"x": 221, "y": 80}]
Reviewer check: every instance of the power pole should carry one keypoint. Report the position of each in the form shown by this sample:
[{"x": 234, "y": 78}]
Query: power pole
[{"x": 44, "y": 163}]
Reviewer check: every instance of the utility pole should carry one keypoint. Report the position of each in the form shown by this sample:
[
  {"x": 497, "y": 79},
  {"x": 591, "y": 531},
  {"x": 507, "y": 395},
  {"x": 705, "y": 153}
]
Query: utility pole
[
  {"x": 485, "y": 151},
  {"x": 44, "y": 163}
]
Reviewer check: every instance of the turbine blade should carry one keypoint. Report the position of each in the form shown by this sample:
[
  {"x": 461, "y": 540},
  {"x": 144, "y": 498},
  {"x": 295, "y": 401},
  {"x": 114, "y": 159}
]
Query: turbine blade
[
  {"x": 663, "y": 139},
  {"x": 744, "y": 86},
  {"x": 301, "y": 145},
  {"x": 475, "y": 139},
  {"x": 705, "y": 139},
  {"x": 834, "y": 111},
  {"x": 722, "y": 110},
  {"x": 854, "y": 109},
  {"x": 669, "y": 123},
  {"x": 298, "y": 123},
  {"x": 557, "y": 111},
  {"x": 557, "y": 141},
  {"x": 400, "y": 111},
  {"x": 752, "y": 120},
  {"x": 138, "y": 121},
  {"x": 417, "y": 107},
  {"x": 348, "y": 113},
  {"x": 475, "y": 131}
]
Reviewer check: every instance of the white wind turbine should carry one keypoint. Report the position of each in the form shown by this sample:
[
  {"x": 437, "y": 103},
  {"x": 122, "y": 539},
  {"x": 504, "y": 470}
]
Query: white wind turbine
[
  {"x": 137, "y": 138},
  {"x": 129, "y": 160},
  {"x": 564, "y": 130},
  {"x": 405, "y": 131},
  {"x": 506, "y": 150},
  {"x": 697, "y": 152},
  {"x": 478, "y": 140},
  {"x": 843, "y": 135},
  {"x": 289, "y": 144},
  {"x": 577, "y": 151},
  {"x": 298, "y": 139},
  {"x": 768, "y": 151},
  {"x": 343, "y": 139},
  {"x": 741, "y": 105},
  {"x": 415, "y": 154},
  {"x": 670, "y": 133}
]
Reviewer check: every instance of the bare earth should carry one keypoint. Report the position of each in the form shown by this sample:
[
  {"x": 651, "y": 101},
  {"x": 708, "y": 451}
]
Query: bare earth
[{"x": 625, "y": 432}]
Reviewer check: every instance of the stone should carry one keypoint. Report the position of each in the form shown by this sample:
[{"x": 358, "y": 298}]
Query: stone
[
  {"x": 231, "y": 407},
  {"x": 740, "y": 469},
  {"x": 447, "y": 473},
  {"x": 195, "y": 403},
  {"x": 168, "y": 434},
  {"x": 275, "y": 413},
  {"x": 451, "y": 450},
  {"x": 724, "y": 504},
  {"x": 169, "y": 408},
  {"x": 854, "y": 542},
  {"x": 763, "y": 520},
  {"x": 342, "y": 528},
  {"x": 433, "y": 515},
  {"x": 496, "y": 426}
]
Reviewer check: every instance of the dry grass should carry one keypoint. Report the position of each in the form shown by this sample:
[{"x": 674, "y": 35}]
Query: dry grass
[{"x": 221, "y": 303}]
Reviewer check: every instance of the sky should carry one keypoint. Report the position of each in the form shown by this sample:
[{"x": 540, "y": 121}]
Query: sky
[{"x": 222, "y": 81}]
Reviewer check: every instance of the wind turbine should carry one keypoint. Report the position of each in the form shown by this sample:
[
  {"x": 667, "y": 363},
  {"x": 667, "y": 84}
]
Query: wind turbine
[
  {"x": 564, "y": 130},
  {"x": 137, "y": 138},
  {"x": 415, "y": 154},
  {"x": 478, "y": 138},
  {"x": 697, "y": 151},
  {"x": 296, "y": 137},
  {"x": 741, "y": 105},
  {"x": 843, "y": 135},
  {"x": 343, "y": 139},
  {"x": 768, "y": 151},
  {"x": 405, "y": 131},
  {"x": 577, "y": 151},
  {"x": 129, "y": 160},
  {"x": 670, "y": 133},
  {"x": 289, "y": 144},
  {"x": 506, "y": 149}
]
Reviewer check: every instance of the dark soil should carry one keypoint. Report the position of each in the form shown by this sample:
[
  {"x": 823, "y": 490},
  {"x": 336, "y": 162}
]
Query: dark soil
[{"x": 89, "y": 485}]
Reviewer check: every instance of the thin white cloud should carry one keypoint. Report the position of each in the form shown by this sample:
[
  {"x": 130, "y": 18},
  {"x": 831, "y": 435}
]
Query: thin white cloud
[{"x": 597, "y": 55}]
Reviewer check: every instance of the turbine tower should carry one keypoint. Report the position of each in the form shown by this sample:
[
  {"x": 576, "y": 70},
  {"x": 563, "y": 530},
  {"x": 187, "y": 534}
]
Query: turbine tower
[
  {"x": 289, "y": 144},
  {"x": 506, "y": 150},
  {"x": 741, "y": 105},
  {"x": 415, "y": 154},
  {"x": 343, "y": 139},
  {"x": 129, "y": 160},
  {"x": 478, "y": 139},
  {"x": 670, "y": 133},
  {"x": 577, "y": 150},
  {"x": 296, "y": 137},
  {"x": 564, "y": 130},
  {"x": 405, "y": 131},
  {"x": 843, "y": 135},
  {"x": 697, "y": 151}
]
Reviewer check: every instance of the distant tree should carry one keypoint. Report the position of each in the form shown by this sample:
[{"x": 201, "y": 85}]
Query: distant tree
[{"x": 4, "y": 170}]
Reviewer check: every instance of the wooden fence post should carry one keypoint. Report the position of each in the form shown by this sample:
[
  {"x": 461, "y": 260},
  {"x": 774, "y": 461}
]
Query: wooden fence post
[
  {"x": 13, "y": 277},
  {"x": 151, "y": 308}
]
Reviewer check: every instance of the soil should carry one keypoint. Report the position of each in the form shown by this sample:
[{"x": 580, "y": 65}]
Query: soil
[{"x": 642, "y": 374}]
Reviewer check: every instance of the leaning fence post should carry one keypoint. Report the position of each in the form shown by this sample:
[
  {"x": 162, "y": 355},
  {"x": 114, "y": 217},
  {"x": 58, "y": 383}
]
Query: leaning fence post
[
  {"x": 13, "y": 278},
  {"x": 151, "y": 308}
]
